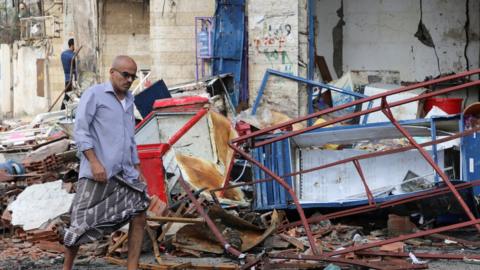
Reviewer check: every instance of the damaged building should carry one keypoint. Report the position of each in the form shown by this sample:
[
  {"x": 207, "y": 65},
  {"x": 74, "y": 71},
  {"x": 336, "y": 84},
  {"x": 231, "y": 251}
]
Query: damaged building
[{"x": 290, "y": 134}]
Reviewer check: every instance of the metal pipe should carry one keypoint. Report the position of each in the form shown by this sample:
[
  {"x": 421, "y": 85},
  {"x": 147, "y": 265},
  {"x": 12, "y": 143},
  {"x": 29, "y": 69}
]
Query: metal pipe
[
  {"x": 299, "y": 208},
  {"x": 348, "y": 116},
  {"x": 187, "y": 126},
  {"x": 388, "y": 113},
  {"x": 357, "y": 102},
  {"x": 446, "y": 256},
  {"x": 367, "y": 208},
  {"x": 176, "y": 219},
  {"x": 209, "y": 221},
  {"x": 404, "y": 237},
  {"x": 371, "y": 200},
  {"x": 359, "y": 157},
  {"x": 338, "y": 260}
]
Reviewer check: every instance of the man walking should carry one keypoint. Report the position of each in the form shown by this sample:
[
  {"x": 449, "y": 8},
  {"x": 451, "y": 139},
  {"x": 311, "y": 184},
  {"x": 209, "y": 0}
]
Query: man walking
[
  {"x": 110, "y": 190},
  {"x": 69, "y": 69}
]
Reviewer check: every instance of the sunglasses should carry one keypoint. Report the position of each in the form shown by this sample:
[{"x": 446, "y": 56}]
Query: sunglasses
[{"x": 126, "y": 75}]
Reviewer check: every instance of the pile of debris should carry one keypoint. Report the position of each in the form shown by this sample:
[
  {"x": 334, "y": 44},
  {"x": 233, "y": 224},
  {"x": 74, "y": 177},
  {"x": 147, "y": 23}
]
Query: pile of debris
[
  {"x": 223, "y": 192},
  {"x": 33, "y": 157}
]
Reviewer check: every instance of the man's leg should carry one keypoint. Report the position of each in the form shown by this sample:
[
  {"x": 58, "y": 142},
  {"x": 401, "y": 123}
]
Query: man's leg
[
  {"x": 66, "y": 98},
  {"x": 135, "y": 239},
  {"x": 70, "y": 253}
]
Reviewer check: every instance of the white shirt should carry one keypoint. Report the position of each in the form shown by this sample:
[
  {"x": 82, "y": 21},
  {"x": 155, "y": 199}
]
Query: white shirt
[{"x": 124, "y": 104}]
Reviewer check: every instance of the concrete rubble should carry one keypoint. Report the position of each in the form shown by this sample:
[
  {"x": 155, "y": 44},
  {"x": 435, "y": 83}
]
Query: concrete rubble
[{"x": 207, "y": 204}]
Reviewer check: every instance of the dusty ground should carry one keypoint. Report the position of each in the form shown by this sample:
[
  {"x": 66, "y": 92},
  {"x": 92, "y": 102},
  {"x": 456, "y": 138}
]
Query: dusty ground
[
  {"x": 99, "y": 263},
  {"x": 102, "y": 265}
]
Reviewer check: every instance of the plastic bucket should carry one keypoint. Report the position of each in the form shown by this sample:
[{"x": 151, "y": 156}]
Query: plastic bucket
[{"x": 448, "y": 105}]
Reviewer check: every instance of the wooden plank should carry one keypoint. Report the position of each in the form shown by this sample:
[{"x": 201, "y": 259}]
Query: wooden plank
[
  {"x": 176, "y": 219},
  {"x": 323, "y": 67}
]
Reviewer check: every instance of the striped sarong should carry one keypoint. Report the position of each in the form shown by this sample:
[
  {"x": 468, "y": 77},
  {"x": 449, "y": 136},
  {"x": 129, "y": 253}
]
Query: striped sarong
[{"x": 102, "y": 208}]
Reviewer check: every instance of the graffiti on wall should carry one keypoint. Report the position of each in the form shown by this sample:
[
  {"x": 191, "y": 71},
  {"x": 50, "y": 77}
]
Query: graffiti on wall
[{"x": 272, "y": 39}]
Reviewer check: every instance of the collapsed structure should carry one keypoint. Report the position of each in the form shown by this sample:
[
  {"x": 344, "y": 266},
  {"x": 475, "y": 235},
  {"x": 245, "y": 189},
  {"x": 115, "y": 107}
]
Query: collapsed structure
[
  {"x": 376, "y": 169},
  {"x": 223, "y": 188}
]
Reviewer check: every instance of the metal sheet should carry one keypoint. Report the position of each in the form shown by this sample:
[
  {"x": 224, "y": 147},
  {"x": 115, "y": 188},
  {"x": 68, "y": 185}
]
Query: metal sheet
[
  {"x": 228, "y": 41},
  {"x": 404, "y": 112},
  {"x": 358, "y": 133},
  {"x": 162, "y": 127},
  {"x": 382, "y": 173}
]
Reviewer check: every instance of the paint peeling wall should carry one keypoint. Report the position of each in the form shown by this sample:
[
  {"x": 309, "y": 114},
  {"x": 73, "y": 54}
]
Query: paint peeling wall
[
  {"x": 172, "y": 38},
  {"x": 379, "y": 35},
  {"x": 273, "y": 43}
]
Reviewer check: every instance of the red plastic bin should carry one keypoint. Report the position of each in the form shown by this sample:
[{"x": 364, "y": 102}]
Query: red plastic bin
[{"x": 151, "y": 165}]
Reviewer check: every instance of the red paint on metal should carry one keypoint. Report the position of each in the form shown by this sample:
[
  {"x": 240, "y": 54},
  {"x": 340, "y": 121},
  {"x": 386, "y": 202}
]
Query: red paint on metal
[
  {"x": 185, "y": 128},
  {"x": 151, "y": 155},
  {"x": 388, "y": 113},
  {"x": 371, "y": 200},
  {"x": 351, "y": 115},
  {"x": 367, "y": 208},
  {"x": 405, "y": 237},
  {"x": 179, "y": 102},
  {"x": 209, "y": 221},
  {"x": 447, "y": 256},
  {"x": 342, "y": 261},
  {"x": 385, "y": 107},
  {"x": 279, "y": 180},
  {"x": 361, "y": 101},
  {"x": 359, "y": 157},
  {"x": 151, "y": 165}
]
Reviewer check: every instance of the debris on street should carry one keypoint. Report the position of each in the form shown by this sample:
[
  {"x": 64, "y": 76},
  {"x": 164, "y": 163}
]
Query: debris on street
[{"x": 268, "y": 134}]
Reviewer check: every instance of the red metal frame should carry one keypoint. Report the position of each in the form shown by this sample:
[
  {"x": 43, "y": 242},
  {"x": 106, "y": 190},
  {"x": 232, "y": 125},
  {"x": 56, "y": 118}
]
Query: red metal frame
[
  {"x": 358, "y": 262},
  {"x": 209, "y": 221},
  {"x": 249, "y": 139},
  {"x": 151, "y": 155}
]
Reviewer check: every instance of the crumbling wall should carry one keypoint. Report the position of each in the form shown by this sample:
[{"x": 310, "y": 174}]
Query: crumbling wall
[
  {"x": 381, "y": 35},
  {"x": 125, "y": 30},
  {"x": 172, "y": 37},
  {"x": 9, "y": 29},
  {"x": 274, "y": 43},
  {"x": 29, "y": 61},
  {"x": 5, "y": 81},
  {"x": 25, "y": 98}
]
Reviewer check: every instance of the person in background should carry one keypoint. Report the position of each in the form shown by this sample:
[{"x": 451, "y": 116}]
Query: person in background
[{"x": 69, "y": 69}]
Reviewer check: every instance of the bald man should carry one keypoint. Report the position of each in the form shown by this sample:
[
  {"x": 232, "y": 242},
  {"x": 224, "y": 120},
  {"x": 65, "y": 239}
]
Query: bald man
[{"x": 110, "y": 190}]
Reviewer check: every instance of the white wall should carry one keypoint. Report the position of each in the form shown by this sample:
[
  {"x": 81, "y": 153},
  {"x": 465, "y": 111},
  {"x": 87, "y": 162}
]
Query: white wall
[
  {"x": 379, "y": 35},
  {"x": 25, "y": 99},
  {"x": 5, "y": 80}
]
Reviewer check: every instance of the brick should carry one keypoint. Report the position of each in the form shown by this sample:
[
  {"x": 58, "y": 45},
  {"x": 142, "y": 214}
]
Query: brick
[{"x": 393, "y": 247}]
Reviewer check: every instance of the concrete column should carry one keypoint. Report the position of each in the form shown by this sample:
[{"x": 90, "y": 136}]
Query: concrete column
[
  {"x": 85, "y": 18},
  {"x": 172, "y": 37},
  {"x": 273, "y": 27}
]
